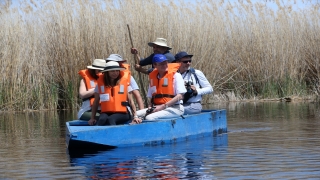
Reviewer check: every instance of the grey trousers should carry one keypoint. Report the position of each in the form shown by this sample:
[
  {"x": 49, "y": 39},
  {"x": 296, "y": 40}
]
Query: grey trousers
[{"x": 192, "y": 108}]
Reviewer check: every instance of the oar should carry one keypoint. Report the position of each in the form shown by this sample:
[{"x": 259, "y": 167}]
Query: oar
[{"x": 140, "y": 79}]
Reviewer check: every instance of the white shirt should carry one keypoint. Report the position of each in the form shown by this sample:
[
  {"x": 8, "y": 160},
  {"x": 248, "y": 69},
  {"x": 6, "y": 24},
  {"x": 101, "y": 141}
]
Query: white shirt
[
  {"x": 206, "y": 87},
  {"x": 178, "y": 85},
  {"x": 133, "y": 84}
]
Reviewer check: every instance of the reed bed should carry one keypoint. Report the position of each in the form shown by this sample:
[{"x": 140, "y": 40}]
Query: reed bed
[{"x": 247, "y": 51}]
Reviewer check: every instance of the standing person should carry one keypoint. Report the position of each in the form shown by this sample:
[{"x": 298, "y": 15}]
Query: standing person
[
  {"x": 133, "y": 83},
  {"x": 165, "y": 91},
  {"x": 86, "y": 88},
  {"x": 114, "y": 94},
  {"x": 159, "y": 47},
  {"x": 195, "y": 81}
]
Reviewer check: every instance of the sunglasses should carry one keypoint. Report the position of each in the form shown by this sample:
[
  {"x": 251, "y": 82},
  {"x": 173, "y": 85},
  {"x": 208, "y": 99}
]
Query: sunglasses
[{"x": 189, "y": 61}]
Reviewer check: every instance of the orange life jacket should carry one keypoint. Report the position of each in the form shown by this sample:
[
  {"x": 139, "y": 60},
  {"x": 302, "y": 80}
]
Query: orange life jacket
[
  {"x": 164, "y": 86},
  {"x": 127, "y": 72},
  {"x": 89, "y": 81},
  {"x": 114, "y": 99}
]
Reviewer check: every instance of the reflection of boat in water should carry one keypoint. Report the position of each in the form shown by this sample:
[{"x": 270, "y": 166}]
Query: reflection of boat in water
[
  {"x": 80, "y": 135},
  {"x": 191, "y": 159}
]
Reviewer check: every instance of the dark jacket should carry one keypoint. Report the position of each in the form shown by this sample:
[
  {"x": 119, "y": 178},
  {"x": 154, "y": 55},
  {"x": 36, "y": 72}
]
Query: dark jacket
[{"x": 148, "y": 60}]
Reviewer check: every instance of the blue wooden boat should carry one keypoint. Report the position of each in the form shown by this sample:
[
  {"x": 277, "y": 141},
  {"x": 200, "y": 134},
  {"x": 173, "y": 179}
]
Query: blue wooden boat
[{"x": 79, "y": 135}]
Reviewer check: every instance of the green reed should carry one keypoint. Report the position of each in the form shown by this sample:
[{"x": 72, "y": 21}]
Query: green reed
[{"x": 247, "y": 51}]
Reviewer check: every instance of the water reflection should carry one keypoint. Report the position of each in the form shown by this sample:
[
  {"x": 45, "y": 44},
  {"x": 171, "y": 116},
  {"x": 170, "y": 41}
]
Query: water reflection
[
  {"x": 268, "y": 140},
  {"x": 181, "y": 160},
  {"x": 32, "y": 145}
]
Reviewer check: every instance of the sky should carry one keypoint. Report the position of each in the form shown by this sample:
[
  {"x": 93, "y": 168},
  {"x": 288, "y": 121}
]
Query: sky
[{"x": 296, "y": 4}]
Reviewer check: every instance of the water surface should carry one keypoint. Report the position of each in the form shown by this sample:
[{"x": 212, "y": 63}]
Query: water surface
[{"x": 265, "y": 141}]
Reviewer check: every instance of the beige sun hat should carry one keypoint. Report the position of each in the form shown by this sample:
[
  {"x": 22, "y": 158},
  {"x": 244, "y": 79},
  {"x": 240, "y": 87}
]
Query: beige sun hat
[
  {"x": 98, "y": 64},
  {"x": 115, "y": 57},
  {"x": 160, "y": 42},
  {"x": 112, "y": 65}
]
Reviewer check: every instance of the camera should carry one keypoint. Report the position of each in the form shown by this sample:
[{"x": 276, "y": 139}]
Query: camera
[
  {"x": 189, "y": 92},
  {"x": 149, "y": 111},
  {"x": 188, "y": 86}
]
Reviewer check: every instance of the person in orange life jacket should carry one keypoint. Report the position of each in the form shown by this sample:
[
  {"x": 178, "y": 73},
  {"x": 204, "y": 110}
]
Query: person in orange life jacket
[
  {"x": 86, "y": 88},
  {"x": 133, "y": 83},
  {"x": 159, "y": 47},
  {"x": 114, "y": 94},
  {"x": 195, "y": 81},
  {"x": 165, "y": 91}
]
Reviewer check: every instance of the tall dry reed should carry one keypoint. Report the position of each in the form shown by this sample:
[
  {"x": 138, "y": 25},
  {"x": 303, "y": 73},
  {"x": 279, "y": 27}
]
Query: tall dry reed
[{"x": 247, "y": 51}]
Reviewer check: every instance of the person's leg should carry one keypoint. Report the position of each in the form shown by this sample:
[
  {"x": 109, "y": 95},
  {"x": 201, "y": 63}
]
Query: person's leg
[
  {"x": 118, "y": 118},
  {"x": 87, "y": 115},
  {"x": 170, "y": 112},
  {"x": 192, "y": 108},
  {"x": 102, "y": 119}
]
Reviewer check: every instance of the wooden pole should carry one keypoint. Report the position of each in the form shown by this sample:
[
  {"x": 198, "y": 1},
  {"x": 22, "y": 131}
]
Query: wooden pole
[{"x": 139, "y": 74}]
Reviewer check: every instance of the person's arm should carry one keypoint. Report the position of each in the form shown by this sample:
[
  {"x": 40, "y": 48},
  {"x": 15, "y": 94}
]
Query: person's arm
[
  {"x": 136, "y": 92},
  {"x": 83, "y": 92},
  {"x": 142, "y": 62},
  {"x": 135, "y": 119},
  {"x": 138, "y": 98},
  {"x": 138, "y": 68},
  {"x": 206, "y": 87},
  {"x": 146, "y": 61},
  {"x": 94, "y": 109},
  {"x": 132, "y": 105},
  {"x": 135, "y": 52},
  {"x": 173, "y": 101}
]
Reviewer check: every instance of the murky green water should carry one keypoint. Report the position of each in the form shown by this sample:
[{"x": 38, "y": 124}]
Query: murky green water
[{"x": 265, "y": 141}]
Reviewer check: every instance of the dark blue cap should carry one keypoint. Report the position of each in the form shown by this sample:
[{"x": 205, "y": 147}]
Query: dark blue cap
[
  {"x": 180, "y": 55},
  {"x": 158, "y": 58}
]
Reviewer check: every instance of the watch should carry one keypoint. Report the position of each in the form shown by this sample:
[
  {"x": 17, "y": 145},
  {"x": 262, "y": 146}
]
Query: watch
[{"x": 166, "y": 106}]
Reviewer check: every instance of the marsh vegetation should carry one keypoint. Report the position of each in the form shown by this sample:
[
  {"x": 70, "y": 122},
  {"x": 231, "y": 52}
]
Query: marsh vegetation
[{"x": 247, "y": 51}]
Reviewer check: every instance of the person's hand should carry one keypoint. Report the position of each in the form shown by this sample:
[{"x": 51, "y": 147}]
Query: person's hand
[
  {"x": 92, "y": 122},
  {"x": 137, "y": 66},
  {"x": 134, "y": 51},
  {"x": 194, "y": 89},
  {"x": 136, "y": 120},
  {"x": 159, "y": 108}
]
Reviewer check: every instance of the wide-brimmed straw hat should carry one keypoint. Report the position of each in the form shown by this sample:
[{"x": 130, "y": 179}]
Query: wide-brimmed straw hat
[
  {"x": 98, "y": 64},
  {"x": 160, "y": 42},
  {"x": 115, "y": 57},
  {"x": 112, "y": 65}
]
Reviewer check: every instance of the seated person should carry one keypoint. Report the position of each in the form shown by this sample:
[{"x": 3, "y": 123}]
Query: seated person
[
  {"x": 165, "y": 91},
  {"x": 133, "y": 83},
  {"x": 114, "y": 93},
  {"x": 196, "y": 83},
  {"x": 86, "y": 89}
]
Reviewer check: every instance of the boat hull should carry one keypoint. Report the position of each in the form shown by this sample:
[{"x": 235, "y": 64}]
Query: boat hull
[{"x": 210, "y": 122}]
